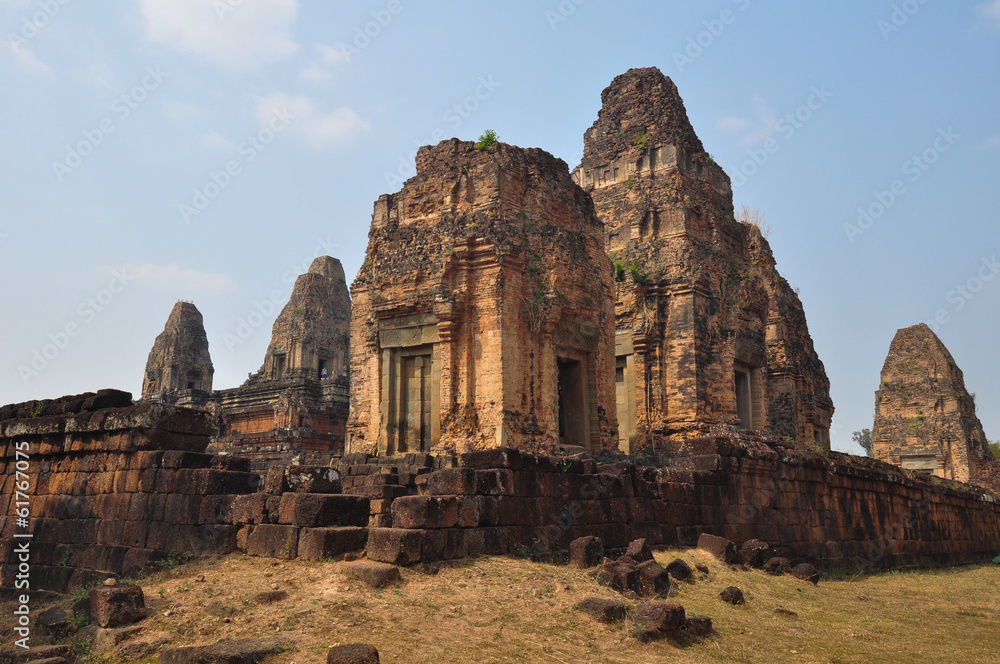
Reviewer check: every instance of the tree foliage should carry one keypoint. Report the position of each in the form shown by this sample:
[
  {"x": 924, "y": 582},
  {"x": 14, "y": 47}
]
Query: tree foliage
[{"x": 864, "y": 439}]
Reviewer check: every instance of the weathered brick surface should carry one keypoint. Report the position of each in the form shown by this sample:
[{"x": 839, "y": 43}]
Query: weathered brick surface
[
  {"x": 116, "y": 490},
  {"x": 517, "y": 249},
  {"x": 924, "y": 417},
  {"x": 273, "y": 541},
  {"x": 296, "y": 404},
  {"x": 698, "y": 299},
  {"x": 179, "y": 360},
  {"x": 323, "y": 543}
]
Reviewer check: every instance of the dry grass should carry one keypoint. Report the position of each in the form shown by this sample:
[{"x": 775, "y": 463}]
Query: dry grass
[
  {"x": 754, "y": 217},
  {"x": 494, "y": 610}
]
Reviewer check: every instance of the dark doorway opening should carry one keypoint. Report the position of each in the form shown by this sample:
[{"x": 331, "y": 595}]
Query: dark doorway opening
[
  {"x": 743, "y": 402},
  {"x": 572, "y": 402}
]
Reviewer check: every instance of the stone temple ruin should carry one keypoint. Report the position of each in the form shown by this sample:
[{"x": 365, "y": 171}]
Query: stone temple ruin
[
  {"x": 925, "y": 419},
  {"x": 707, "y": 331},
  {"x": 296, "y": 405},
  {"x": 531, "y": 356},
  {"x": 179, "y": 368},
  {"x": 482, "y": 314}
]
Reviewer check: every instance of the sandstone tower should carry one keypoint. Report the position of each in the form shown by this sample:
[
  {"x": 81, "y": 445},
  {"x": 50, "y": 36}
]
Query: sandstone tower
[
  {"x": 924, "y": 418},
  {"x": 296, "y": 404},
  {"x": 311, "y": 334},
  {"x": 179, "y": 367},
  {"x": 707, "y": 332},
  {"x": 482, "y": 314}
]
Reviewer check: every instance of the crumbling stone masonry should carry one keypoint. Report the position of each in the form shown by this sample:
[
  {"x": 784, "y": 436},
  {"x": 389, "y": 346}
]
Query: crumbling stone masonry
[
  {"x": 925, "y": 419},
  {"x": 118, "y": 487},
  {"x": 482, "y": 314},
  {"x": 296, "y": 404},
  {"x": 115, "y": 487},
  {"x": 179, "y": 368},
  {"x": 707, "y": 331},
  {"x": 834, "y": 511}
]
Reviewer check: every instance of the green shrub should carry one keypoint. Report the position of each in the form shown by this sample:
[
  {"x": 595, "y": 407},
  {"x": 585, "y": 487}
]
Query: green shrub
[{"x": 488, "y": 138}]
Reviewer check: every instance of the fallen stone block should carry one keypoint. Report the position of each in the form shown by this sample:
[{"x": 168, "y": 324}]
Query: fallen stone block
[
  {"x": 237, "y": 651},
  {"x": 21, "y": 656},
  {"x": 585, "y": 552},
  {"x": 806, "y": 572},
  {"x": 719, "y": 547},
  {"x": 680, "y": 570},
  {"x": 56, "y": 621},
  {"x": 117, "y": 605},
  {"x": 778, "y": 566},
  {"x": 639, "y": 551},
  {"x": 604, "y": 610},
  {"x": 698, "y": 626},
  {"x": 655, "y": 581},
  {"x": 619, "y": 576},
  {"x": 376, "y": 575},
  {"x": 754, "y": 553},
  {"x": 353, "y": 653},
  {"x": 733, "y": 595},
  {"x": 660, "y": 616}
]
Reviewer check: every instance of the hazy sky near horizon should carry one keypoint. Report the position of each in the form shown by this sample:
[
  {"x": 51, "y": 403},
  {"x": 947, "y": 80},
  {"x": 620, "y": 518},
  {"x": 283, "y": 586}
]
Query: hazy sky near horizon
[{"x": 208, "y": 150}]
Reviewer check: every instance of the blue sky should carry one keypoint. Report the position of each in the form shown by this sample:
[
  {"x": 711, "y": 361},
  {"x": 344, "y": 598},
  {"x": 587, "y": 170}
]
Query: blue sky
[{"x": 156, "y": 150}]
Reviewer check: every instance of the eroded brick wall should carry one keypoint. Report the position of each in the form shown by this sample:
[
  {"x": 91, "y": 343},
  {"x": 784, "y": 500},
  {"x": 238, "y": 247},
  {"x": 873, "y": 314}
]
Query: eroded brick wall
[
  {"x": 835, "y": 510},
  {"x": 114, "y": 489}
]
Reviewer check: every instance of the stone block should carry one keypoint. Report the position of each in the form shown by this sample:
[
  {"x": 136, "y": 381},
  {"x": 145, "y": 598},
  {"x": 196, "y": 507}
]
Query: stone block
[
  {"x": 396, "y": 546},
  {"x": 325, "y": 543},
  {"x": 585, "y": 552},
  {"x": 273, "y": 541},
  {"x": 719, "y": 547},
  {"x": 117, "y": 605}
]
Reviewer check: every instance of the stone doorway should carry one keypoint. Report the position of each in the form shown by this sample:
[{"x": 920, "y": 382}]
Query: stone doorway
[
  {"x": 410, "y": 400},
  {"x": 573, "y": 411},
  {"x": 744, "y": 403}
]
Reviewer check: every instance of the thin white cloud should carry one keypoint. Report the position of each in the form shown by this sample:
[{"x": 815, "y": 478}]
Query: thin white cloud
[
  {"x": 246, "y": 36},
  {"x": 27, "y": 60},
  {"x": 181, "y": 113},
  {"x": 315, "y": 74},
  {"x": 330, "y": 55},
  {"x": 216, "y": 141},
  {"x": 764, "y": 126},
  {"x": 732, "y": 124},
  {"x": 173, "y": 277},
  {"x": 991, "y": 143},
  {"x": 326, "y": 56},
  {"x": 318, "y": 129},
  {"x": 991, "y": 10}
]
